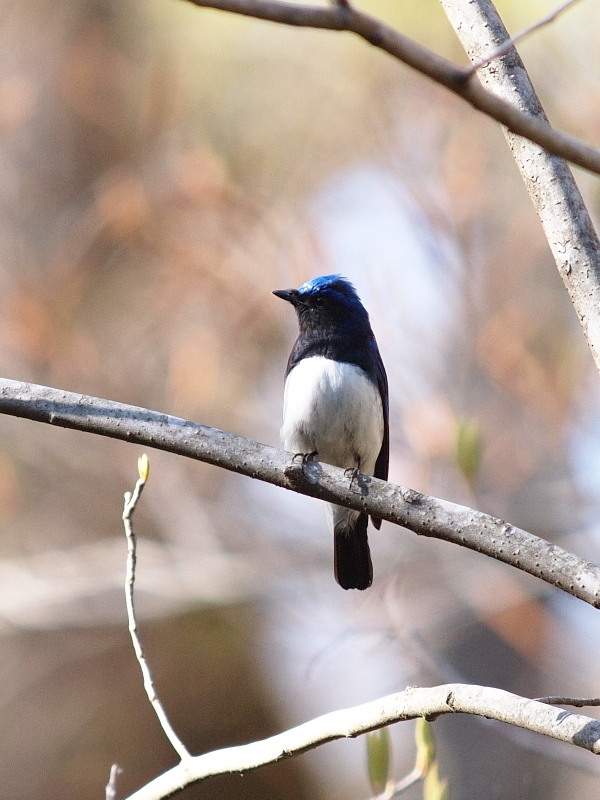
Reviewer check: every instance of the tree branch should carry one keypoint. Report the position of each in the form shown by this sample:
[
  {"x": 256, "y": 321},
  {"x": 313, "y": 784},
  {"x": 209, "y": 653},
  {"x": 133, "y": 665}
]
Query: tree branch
[
  {"x": 577, "y": 702},
  {"x": 551, "y": 186},
  {"x": 424, "y": 515},
  {"x": 460, "y": 81},
  {"x": 414, "y": 702}
]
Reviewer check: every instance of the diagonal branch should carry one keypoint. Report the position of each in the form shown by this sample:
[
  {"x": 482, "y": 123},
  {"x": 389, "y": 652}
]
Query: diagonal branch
[
  {"x": 460, "y": 81},
  {"x": 549, "y": 181},
  {"x": 431, "y": 702},
  {"x": 424, "y": 515}
]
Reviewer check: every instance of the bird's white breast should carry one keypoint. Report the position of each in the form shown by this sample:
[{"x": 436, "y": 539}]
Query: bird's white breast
[{"x": 333, "y": 408}]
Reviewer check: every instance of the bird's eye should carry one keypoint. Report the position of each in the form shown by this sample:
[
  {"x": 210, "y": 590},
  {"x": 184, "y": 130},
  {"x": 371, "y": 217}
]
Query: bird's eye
[{"x": 320, "y": 301}]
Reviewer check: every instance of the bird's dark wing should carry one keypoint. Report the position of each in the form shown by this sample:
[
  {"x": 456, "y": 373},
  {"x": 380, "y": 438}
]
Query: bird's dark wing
[{"x": 383, "y": 459}]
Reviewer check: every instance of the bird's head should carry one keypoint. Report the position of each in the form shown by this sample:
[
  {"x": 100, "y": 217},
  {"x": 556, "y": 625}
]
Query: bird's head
[{"x": 326, "y": 300}]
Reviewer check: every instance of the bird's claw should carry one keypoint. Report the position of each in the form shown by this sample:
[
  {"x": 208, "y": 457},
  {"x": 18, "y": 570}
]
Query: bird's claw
[
  {"x": 354, "y": 474},
  {"x": 306, "y": 458},
  {"x": 359, "y": 482}
]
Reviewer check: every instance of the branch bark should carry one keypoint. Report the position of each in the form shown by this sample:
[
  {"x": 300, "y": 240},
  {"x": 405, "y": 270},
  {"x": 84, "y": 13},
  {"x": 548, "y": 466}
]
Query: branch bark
[
  {"x": 549, "y": 181},
  {"x": 460, "y": 81},
  {"x": 422, "y": 514},
  {"x": 482, "y": 701}
]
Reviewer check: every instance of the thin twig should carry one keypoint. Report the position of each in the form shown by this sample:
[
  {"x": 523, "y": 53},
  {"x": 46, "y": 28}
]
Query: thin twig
[
  {"x": 413, "y": 777},
  {"x": 510, "y": 43},
  {"x": 576, "y": 702},
  {"x": 111, "y": 786},
  {"x": 131, "y": 499},
  {"x": 399, "y": 787}
]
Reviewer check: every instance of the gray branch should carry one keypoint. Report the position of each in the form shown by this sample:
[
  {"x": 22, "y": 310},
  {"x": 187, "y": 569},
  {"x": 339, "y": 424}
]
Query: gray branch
[
  {"x": 431, "y": 702},
  {"x": 424, "y": 515},
  {"x": 549, "y": 181},
  {"x": 460, "y": 81}
]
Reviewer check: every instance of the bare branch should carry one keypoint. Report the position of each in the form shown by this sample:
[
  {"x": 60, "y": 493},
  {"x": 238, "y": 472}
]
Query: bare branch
[
  {"x": 510, "y": 43},
  {"x": 396, "y": 789},
  {"x": 551, "y": 186},
  {"x": 131, "y": 499},
  {"x": 424, "y": 515},
  {"x": 576, "y": 702},
  {"x": 414, "y": 702},
  {"x": 460, "y": 81}
]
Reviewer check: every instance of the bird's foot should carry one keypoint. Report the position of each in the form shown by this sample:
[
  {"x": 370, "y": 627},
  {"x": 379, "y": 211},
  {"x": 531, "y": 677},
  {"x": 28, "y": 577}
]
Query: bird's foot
[
  {"x": 306, "y": 458},
  {"x": 353, "y": 473},
  {"x": 359, "y": 483}
]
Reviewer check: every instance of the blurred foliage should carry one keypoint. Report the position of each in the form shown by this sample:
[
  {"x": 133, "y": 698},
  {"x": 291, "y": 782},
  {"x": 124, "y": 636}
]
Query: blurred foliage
[
  {"x": 434, "y": 788},
  {"x": 468, "y": 448},
  {"x": 379, "y": 758},
  {"x": 163, "y": 168},
  {"x": 425, "y": 741}
]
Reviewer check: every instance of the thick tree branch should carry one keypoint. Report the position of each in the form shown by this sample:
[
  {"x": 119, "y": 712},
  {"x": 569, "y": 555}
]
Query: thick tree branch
[
  {"x": 415, "y": 702},
  {"x": 551, "y": 186},
  {"x": 460, "y": 81},
  {"x": 427, "y": 516}
]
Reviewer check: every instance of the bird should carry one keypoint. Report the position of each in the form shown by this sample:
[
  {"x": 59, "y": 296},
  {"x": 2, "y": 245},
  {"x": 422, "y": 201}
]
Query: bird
[{"x": 336, "y": 405}]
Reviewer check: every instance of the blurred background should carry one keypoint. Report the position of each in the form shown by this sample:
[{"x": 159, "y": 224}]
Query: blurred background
[{"x": 162, "y": 169}]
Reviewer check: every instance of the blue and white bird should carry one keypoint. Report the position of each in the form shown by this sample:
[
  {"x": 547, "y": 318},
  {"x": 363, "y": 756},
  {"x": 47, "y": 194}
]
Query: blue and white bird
[{"x": 336, "y": 405}]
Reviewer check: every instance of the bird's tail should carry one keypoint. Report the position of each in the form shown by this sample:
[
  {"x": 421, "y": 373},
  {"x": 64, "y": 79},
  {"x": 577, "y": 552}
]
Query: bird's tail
[{"x": 351, "y": 554}]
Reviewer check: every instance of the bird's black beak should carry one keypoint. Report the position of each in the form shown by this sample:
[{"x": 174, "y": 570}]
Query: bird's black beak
[{"x": 287, "y": 294}]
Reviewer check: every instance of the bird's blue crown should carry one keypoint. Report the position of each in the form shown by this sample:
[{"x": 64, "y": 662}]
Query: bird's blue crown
[{"x": 324, "y": 282}]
